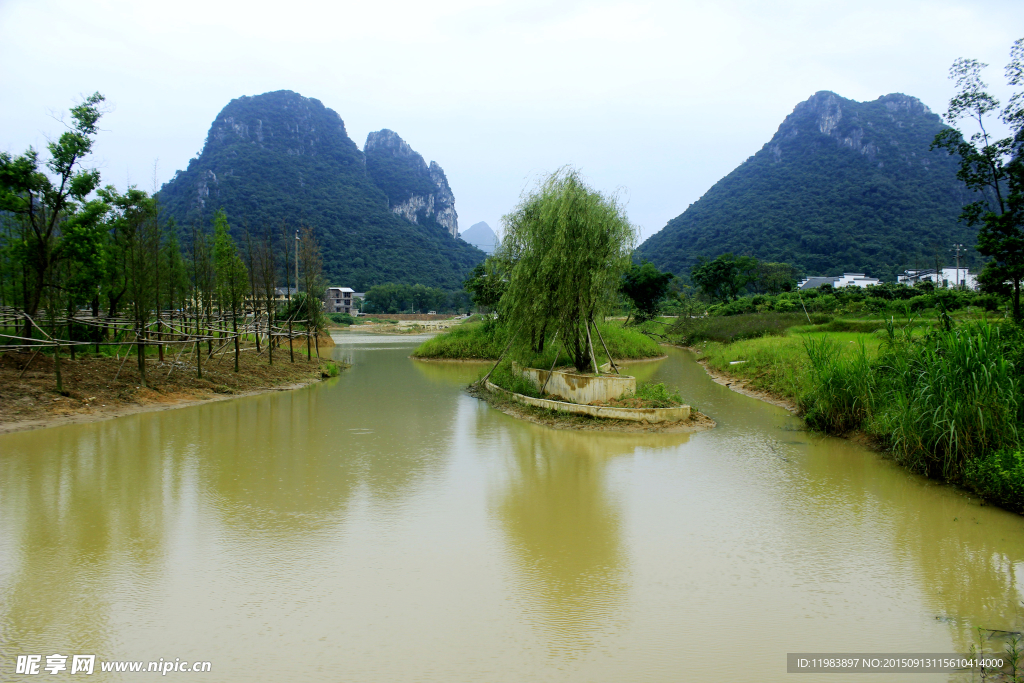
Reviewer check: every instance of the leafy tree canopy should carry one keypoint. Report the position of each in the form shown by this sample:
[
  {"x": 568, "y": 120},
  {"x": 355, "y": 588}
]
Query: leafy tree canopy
[
  {"x": 564, "y": 249},
  {"x": 725, "y": 277},
  {"x": 994, "y": 167},
  {"x": 645, "y": 286}
]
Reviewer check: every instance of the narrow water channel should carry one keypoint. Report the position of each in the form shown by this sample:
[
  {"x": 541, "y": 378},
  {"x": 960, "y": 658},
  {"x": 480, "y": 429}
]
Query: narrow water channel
[{"x": 385, "y": 526}]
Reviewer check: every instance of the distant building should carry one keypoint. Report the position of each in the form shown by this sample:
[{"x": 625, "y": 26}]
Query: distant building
[
  {"x": 846, "y": 280},
  {"x": 339, "y": 300},
  {"x": 283, "y": 293},
  {"x": 946, "y": 277}
]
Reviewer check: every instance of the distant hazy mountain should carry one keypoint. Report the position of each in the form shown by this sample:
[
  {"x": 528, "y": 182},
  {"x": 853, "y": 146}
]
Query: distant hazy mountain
[
  {"x": 482, "y": 237},
  {"x": 283, "y": 157},
  {"x": 843, "y": 186}
]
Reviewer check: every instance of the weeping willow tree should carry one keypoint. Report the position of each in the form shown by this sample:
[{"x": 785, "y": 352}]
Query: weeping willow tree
[{"x": 564, "y": 249}]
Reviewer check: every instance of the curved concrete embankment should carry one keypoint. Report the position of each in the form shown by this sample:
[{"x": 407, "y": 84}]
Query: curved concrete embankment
[{"x": 652, "y": 415}]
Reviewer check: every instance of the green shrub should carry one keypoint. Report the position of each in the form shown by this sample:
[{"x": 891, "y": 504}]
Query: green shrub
[
  {"x": 999, "y": 477},
  {"x": 341, "y": 318}
]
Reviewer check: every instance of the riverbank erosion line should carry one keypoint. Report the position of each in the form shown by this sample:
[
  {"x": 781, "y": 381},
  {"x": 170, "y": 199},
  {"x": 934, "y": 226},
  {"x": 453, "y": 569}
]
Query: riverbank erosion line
[{"x": 100, "y": 387}]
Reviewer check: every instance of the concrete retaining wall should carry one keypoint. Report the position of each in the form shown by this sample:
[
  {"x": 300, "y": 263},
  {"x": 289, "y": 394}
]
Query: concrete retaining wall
[
  {"x": 581, "y": 388},
  {"x": 632, "y": 414}
]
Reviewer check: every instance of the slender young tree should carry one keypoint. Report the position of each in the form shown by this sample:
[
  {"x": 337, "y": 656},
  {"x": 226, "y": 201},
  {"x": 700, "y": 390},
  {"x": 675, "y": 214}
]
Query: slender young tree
[
  {"x": 313, "y": 282},
  {"x": 44, "y": 203},
  {"x": 268, "y": 283},
  {"x": 251, "y": 268},
  {"x": 133, "y": 219},
  {"x": 176, "y": 273},
  {"x": 992, "y": 166},
  {"x": 232, "y": 278},
  {"x": 286, "y": 237}
]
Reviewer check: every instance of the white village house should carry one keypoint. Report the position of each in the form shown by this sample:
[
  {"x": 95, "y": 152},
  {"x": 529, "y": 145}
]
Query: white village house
[
  {"x": 846, "y": 280},
  {"x": 339, "y": 300},
  {"x": 946, "y": 277}
]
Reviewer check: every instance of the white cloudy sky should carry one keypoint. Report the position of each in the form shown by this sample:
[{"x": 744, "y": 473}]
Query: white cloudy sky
[{"x": 652, "y": 98}]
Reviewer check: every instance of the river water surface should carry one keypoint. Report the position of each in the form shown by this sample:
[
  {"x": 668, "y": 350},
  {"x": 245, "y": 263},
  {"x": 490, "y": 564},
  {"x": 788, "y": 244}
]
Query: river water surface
[{"x": 385, "y": 526}]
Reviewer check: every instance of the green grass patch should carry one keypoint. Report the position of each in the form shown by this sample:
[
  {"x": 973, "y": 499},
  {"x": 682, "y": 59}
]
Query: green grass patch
[
  {"x": 487, "y": 339},
  {"x": 657, "y": 395},
  {"x": 727, "y": 329},
  {"x": 483, "y": 340},
  {"x": 508, "y": 378}
]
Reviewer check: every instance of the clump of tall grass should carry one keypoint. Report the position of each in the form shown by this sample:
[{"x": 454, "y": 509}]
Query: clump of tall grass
[
  {"x": 937, "y": 401},
  {"x": 949, "y": 398},
  {"x": 841, "y": 395}
]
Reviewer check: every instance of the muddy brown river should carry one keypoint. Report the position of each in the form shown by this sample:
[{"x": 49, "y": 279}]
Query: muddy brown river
[{"x": 385, "y": 526}]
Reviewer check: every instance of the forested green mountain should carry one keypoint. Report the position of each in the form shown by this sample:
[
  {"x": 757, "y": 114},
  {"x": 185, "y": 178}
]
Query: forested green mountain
[
  {"x": 283, "y": 157},
  {"x": 843, "y": 186}
]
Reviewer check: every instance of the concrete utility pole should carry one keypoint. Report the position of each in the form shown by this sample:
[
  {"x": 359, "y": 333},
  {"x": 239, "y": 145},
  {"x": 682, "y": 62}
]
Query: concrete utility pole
[
  {"x": 296, "y": 261},
  {"x": 958, "y": 247}
]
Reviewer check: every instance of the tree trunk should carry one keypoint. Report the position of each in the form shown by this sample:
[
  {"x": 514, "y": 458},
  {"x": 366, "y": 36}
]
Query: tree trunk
[
  {"x": 95, "y": 316},
  {"x": 590, "y": 346},
  {"x": 1016, "y": 301},
  {"x": 140, "y": 350},
  {"x": 291, "y": 346},
  {"x": 56, "y": 370},
  {"x": 235, "y": 328},
  {"x": 270, "y": 333}
]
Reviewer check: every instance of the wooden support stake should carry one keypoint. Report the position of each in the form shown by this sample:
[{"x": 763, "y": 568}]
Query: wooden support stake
[
  {"x": 610, "y": 359},
  {"x": 504, "y": 351},
  {"x": 590, "y": 347},
  {"x": 552, "y": 370}
]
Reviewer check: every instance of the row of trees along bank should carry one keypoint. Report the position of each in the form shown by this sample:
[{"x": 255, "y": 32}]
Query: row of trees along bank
[{"x": 87, "y": 267}]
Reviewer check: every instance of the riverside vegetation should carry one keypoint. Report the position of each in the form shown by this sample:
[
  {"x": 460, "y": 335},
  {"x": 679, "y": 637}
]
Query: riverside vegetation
[{"x": 942, "y": 395}]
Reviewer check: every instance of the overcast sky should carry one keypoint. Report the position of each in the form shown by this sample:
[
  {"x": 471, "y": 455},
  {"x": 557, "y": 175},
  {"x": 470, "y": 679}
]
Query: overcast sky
[{"x": 656, "y": 100}]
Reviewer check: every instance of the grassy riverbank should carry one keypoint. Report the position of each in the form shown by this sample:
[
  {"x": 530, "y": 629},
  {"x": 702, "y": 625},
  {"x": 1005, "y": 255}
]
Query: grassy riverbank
[
  {"x": 485, "y": 341},
  {"x": 946, "y": 400},
  {"x": 100, "y": 386}
]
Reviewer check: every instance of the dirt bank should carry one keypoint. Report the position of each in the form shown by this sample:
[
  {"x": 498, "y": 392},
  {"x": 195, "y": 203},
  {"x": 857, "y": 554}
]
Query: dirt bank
[{"x": 101, "y": 387}]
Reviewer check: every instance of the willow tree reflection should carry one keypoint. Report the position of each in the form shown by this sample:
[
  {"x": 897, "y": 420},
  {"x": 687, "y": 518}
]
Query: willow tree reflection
[{"x": 564, "y": 529}]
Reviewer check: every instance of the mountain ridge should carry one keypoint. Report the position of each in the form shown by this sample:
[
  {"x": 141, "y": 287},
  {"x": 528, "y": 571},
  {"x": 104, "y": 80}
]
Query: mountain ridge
[
  {"x": 842, "y": 186},
  {"x": 281, "y": 156}
]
